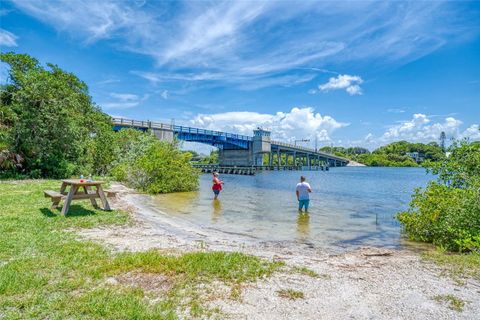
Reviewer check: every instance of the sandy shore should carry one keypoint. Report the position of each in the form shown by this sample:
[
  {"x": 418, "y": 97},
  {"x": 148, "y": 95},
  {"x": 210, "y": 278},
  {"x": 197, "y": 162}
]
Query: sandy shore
[{"x": 366, "y": 283}]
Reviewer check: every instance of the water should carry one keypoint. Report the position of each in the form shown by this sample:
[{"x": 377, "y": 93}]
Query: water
[{"x": 349, "y": 206}]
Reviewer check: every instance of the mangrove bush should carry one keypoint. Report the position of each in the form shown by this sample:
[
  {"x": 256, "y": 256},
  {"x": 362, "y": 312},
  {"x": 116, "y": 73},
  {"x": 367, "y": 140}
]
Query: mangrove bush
[{"x": 447, "y": 212}]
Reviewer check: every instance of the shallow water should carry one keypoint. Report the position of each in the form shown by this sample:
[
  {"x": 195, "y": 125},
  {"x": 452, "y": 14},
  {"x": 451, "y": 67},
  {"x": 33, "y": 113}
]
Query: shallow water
[{"x": 349, "y": 206}]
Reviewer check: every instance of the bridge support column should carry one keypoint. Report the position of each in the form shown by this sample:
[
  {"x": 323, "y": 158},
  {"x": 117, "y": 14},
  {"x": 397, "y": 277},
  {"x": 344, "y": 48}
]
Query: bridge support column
[
  {"x": 270, "y": 158},
  {"x": 295, "y": 158},
  {"x": 278, "y": 159}
]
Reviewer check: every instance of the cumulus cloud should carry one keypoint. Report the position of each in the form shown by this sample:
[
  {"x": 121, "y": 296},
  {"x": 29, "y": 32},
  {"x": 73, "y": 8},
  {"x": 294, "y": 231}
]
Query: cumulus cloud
[
  {"x": 346, "y": 82},
  {"x": 299, "y": 123},
  {"x": 7, "y": 38},
  {"x": 472, "y": 133},
  {"x": 421, "y": 128}
]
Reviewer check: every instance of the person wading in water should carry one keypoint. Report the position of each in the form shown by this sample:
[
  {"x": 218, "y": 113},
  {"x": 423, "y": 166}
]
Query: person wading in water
[
  {"x": 217, "y": 185},
  {"x": 303, "y": 189}
]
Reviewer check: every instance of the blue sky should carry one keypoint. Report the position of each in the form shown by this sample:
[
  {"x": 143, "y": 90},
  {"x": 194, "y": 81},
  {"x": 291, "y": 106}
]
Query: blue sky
[{"x": 351, "y": 73}]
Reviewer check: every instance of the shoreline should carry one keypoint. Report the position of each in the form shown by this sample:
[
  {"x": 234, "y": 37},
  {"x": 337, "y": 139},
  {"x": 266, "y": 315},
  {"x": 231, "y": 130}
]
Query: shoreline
[{"x": 363, "y": 283}]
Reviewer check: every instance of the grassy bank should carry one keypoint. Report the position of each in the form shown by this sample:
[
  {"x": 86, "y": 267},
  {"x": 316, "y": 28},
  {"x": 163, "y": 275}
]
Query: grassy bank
[
  {"x": 47, "y": 272},
  {"x": 456, "y": 265}
]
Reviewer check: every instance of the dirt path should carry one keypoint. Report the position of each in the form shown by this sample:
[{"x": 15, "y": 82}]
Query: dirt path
[{"x": 367, "y": 283}]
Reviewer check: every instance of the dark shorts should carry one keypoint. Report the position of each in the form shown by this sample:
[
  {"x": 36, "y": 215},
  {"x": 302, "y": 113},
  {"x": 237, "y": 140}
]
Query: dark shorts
[
  {"x": 217, "y": 192},
  {"x": 303, "y": 203}
]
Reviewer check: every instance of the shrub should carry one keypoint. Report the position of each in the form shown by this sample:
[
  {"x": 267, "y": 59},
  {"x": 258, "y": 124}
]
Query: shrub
[
  {"x": 447, "y": 212},
  {"x": 147, "y": 164}
]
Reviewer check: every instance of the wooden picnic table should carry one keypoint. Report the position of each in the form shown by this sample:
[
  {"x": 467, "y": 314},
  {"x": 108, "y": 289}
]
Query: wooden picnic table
[{"x": 78, "y": 191}]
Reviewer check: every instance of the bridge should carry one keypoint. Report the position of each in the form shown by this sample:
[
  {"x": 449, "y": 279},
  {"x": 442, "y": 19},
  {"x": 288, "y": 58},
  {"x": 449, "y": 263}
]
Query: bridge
[{"x": 239, "y": 150}]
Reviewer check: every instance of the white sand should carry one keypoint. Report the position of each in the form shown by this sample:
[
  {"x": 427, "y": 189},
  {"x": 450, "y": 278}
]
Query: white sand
[{"x": 367, "y": 283}]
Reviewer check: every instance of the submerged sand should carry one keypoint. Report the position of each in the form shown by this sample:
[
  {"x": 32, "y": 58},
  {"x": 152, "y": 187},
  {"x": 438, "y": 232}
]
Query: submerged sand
[{"x": 364, "y": 283}]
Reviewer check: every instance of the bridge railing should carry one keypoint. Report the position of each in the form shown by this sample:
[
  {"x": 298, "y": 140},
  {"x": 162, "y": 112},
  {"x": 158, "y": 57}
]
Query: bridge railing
[
  {"x": 176, "y": 128},
  {"x": 141, "y": 124},
  {"x": 291, "y": 146},
  {"x": 184, "y": 129}
]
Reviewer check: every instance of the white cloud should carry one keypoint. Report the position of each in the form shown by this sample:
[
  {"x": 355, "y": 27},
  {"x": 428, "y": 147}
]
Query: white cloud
[
  {"x": 395, "y": 110},
  {"x": 7, "y": 38},
  {"x": 164, "y": 94},
  {"x": 343, "y": 82},
  {"x": 124, "y": 96},
  {"x": 124, "y": 101},
  {"x": 421, "y": 128},
  {"x": 299, "y": 123},
  {"x": 472, "y": 132},
  {"x": 241, "y": 41}
]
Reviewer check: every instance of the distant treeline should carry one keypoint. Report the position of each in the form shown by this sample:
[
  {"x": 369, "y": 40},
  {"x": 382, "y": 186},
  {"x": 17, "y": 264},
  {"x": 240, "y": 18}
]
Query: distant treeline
[{"x": 395, "y": 154}]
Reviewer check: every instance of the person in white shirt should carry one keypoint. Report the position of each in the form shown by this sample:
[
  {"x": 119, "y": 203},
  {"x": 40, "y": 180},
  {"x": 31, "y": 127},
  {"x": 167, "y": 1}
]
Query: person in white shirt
[{"x": 303, "y": 194}]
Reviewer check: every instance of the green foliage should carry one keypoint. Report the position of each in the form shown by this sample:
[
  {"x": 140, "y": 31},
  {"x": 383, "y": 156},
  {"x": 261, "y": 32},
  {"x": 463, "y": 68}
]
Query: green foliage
[
  {"x": 290, "y": 294},
  {"x": 345, "y": 152},
  {"x": 454, "y": 303},
  {"x": 149, "y": 165},
  {"x": 210, "y": 159},
  {"x": 447, "y": 212},
  {"x": 391, "y": 155},
  {"x": 431, "y": 151},
  {"x": 50, "y": 118},
  {"x": 386, "y": 160}
]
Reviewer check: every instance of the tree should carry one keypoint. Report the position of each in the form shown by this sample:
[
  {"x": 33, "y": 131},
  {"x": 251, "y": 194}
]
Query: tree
[
  {"x": 52, "y": 121},
  {"x": 147, "y": 164}
]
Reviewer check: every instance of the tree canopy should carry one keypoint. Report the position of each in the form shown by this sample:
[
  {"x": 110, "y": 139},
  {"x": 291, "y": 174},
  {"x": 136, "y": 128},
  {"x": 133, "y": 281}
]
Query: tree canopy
[{"x": 48, "y": 118}]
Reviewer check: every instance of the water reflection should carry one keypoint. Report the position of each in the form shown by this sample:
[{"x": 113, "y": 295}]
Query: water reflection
[
  {"x": 180, "y": 202},
  {"x": 217, "y": 210},
  {"x": 303, "y": 225}
]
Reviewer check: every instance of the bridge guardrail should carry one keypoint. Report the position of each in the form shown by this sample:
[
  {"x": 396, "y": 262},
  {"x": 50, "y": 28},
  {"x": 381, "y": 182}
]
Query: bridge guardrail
[
  {"x": 182, "y": 129},
  {"x": 185, "y": 129},
  {"x": 288, "y": 145},
  {"x": 141, "y": 124}
]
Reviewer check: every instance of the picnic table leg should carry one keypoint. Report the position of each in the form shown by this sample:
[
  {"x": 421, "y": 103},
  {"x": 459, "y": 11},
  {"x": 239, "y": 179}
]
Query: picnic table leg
[
  {"x": 63, "y": 187},
  {"x": 71, "y": 193},
  {"x": 56, "y": 202},
  {"x": 92, "y": 201},
  {"x": 106, "y": 206}
]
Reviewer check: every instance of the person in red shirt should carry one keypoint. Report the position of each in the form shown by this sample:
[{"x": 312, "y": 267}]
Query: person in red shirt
[{"x": 217, "y": 185}]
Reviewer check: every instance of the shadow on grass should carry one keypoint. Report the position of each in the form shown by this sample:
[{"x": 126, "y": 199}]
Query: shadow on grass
[{"x": 74, "y": 211}]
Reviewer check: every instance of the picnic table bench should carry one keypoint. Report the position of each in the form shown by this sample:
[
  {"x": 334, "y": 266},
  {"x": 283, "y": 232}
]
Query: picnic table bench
[{"x": 79, "y": 190}]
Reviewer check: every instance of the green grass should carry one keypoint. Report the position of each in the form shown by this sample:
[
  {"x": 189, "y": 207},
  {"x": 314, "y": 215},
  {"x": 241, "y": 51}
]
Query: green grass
[
  {"x": 454, "y": 303},
  {"x": 457, "y": 266},
  {"x": 309, "y": 272},
  {"x": 291, "y": 294},
  {"x": 47, "y": 272}
]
